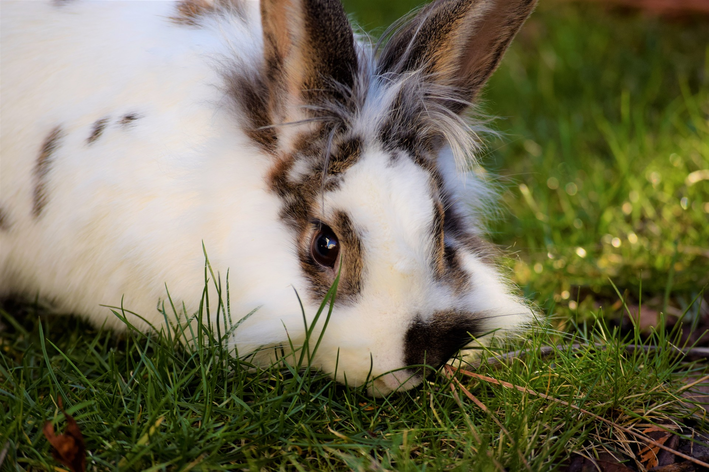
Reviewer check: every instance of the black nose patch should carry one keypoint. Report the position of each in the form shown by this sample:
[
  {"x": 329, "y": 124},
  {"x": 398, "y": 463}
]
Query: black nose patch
[{"x": 435, "y": 341}]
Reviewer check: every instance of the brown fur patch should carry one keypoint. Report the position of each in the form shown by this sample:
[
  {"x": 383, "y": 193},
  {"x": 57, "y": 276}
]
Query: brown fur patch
[
  {"x": 97, "y": 130},
  {"x": 190, "y": 11},
  {"x": 42, "y": 168},
  {"x": 309, "y": 59},
  {"x": 347, "y": 153},
  {"x": 353, "y": 257},
  {"x": 278, "y": 176},
  {"x": 276, "y": 38},
  {"x": 4, "y": 220},
  {"x": 456, "y": 43},
  {"x": 446, "y": 261},
  {"x": 427, "y": 40},
  {"x": 128, "y": 119},
  {"x": 438, "y": 237},
  {"x": 435, "y": 341},
  {"x": 407, "y": 128},
  {"x": 456, "y": 227},
  {"x": 331, "y": 56},
  {"x": 310, "y": 147},
  {"x": 251, "y": 99},
  {"x": 300, "y": 194}
]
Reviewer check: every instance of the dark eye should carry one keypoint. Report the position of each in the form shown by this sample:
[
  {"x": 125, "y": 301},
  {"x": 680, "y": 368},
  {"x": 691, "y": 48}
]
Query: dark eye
[{"x": 325, "y": 247}]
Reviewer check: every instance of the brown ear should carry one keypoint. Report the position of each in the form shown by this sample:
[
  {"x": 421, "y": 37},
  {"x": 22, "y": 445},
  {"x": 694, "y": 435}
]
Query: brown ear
[
  {"x": 309, "y": 53},
  {"x": 456, "y": 43}
]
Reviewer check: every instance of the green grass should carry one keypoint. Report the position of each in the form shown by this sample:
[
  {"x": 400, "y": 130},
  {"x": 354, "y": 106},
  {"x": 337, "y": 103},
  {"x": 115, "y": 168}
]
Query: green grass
[
  {"x": 142, "y": 403},
  {"x": 604, "y": 120},
  {"x": 607, "y": 124}
]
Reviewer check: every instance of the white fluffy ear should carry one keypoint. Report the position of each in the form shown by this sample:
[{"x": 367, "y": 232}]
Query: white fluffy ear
[
  {"x": 456, "y": 43},
  {"x": 309, "y": 56}
]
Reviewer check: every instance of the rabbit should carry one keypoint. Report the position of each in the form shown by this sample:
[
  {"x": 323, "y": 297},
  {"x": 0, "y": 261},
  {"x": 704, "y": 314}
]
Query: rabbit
[{"x": 136, "y": 137}]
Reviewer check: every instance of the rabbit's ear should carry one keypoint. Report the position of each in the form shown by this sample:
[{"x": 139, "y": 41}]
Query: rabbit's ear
[
  {"x": 456, "y": 43},
  {"x": 309, "y": 54}
]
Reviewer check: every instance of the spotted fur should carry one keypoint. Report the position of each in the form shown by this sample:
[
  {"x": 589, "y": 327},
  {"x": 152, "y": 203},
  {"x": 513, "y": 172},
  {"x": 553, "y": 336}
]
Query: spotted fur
[
  {"x": 97, "y": 130},
  {"x": 243, "y": 128},
  {"x": 4, "y": 220},
  {"x": 128, "y": 119},
  {"x": 194, "y": 12},
  {"x": 42, "y": 168}
]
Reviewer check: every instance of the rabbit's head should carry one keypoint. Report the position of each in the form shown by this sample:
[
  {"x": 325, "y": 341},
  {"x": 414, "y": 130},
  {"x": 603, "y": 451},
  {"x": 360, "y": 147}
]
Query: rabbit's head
[{"x": 372, "y": 162}]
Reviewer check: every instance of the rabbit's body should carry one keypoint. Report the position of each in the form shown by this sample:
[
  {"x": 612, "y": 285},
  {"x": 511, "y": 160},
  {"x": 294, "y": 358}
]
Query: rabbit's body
[
  {"x": 145, "y": 155},
  {"x": 135, "y": 132}
]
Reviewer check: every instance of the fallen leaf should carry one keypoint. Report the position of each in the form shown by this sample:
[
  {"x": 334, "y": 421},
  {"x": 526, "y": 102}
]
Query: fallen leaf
[
  {"x": 648, "y": 454},
  {"x": 665, "y": 457},
  {"x": 68, "y": 448}
]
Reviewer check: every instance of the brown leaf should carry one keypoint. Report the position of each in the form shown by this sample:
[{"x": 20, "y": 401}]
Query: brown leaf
[
  {"x": 648, "y": 454},
  {"x": 666, "y": 457},
  {"x": 68, "y": 448}
]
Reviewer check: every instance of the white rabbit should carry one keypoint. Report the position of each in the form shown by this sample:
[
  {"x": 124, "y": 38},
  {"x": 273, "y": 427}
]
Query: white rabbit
[{"x": 134, "y": 133}]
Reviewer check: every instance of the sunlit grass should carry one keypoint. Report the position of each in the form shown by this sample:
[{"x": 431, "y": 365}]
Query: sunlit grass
[{"x": 605, "y": 158}]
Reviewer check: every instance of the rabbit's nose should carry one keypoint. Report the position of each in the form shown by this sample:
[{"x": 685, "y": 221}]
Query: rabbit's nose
[{"x": 436, "y": 340}]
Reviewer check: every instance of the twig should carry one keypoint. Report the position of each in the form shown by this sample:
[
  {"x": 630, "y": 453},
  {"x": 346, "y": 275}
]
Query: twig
[{"x": 586, "y": 412}]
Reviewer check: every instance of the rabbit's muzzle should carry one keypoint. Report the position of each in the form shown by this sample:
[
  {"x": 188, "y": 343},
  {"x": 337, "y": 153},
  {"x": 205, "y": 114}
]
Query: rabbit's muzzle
[{"x": 432, "y": 343}]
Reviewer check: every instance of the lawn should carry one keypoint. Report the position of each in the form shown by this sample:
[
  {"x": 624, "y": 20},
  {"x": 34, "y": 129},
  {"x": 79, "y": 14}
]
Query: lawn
[{"x": 603, "y": 173}]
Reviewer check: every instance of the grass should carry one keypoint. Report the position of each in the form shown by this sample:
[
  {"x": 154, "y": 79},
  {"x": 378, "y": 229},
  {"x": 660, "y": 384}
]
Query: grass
[
  {"x": 604, "y": 155},
  {"x": 142, "y": 404},
  {"x": 606, "y": 121}
]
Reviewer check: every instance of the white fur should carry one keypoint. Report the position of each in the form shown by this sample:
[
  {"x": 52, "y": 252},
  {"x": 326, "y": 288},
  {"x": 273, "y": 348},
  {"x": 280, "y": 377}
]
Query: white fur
[{"x": 127, "y": 215}]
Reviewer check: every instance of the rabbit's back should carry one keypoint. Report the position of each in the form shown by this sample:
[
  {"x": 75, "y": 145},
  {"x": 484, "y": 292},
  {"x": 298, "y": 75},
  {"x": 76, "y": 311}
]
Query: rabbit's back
[{"x": 118, "y": 150}]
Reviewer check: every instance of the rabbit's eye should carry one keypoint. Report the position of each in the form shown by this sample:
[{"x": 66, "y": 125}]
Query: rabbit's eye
[{"x": 325, "y": 247}]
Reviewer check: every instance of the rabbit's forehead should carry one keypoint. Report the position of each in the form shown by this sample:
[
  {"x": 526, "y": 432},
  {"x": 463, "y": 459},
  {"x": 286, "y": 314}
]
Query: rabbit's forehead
[
  {"x": 397, "y": 208},
  {"x": 388, "y": 196}
]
